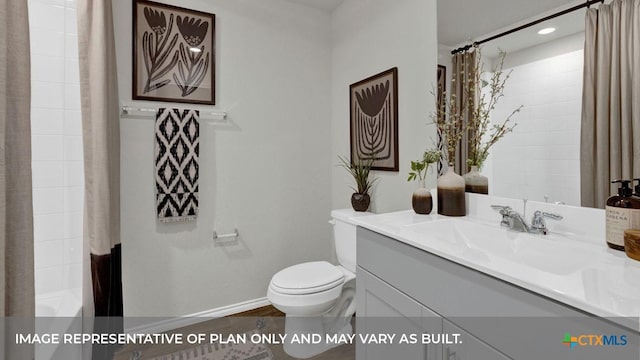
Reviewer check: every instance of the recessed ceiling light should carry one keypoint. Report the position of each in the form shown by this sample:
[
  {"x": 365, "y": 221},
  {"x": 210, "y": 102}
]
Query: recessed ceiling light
[{"x": 546, "y": 31}]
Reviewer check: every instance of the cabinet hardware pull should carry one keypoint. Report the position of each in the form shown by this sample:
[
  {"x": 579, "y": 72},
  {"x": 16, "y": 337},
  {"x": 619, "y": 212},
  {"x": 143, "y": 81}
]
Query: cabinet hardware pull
[{"x": 450, "y": 354}]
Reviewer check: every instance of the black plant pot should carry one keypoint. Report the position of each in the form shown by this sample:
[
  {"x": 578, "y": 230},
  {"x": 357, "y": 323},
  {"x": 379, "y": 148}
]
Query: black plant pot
[
  {"x": 422, "y": 202},
  {"x": 360, "y": 202}
]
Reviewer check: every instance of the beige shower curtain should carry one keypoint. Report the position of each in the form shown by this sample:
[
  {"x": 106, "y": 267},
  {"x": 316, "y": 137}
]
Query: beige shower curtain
[
  {"x": 463, "y": 67},
  {"x": 610, "y": 100},
  {"x": 17, "y": 296},
  {"x": 101, "y": 138}
]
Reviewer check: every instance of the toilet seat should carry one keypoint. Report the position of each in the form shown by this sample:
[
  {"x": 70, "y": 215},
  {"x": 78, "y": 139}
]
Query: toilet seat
[
  {"x": 307, "y": 278},
  {"x": 307, "y": 289}
]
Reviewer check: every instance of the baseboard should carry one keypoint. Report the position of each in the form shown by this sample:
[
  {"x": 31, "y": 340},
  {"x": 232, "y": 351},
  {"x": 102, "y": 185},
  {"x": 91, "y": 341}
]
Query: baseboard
[{"x": 187, "y": 320}]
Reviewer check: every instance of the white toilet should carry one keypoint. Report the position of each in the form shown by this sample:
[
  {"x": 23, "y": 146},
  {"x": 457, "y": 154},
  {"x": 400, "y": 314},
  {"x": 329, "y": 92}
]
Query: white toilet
[{"x": 318, "y": 297}]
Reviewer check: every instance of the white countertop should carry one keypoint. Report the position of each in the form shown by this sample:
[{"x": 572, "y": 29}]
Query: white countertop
[{"x": 579, "y": 272}]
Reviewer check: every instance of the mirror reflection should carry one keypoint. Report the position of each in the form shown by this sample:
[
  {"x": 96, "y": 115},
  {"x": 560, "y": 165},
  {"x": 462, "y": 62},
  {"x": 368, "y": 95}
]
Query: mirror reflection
[{"x": 544, "y": 156}]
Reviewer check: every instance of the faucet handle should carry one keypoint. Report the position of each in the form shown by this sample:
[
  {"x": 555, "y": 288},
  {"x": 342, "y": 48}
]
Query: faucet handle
[
  {"x": 538, "y": 224},
  {"x": 544, "y": 214},
  {"x": 505, "y": 211},
  {"x": 502, "y": 209}
]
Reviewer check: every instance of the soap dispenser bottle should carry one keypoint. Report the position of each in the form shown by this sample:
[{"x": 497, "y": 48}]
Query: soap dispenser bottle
[{"x": 622, "y": 213}]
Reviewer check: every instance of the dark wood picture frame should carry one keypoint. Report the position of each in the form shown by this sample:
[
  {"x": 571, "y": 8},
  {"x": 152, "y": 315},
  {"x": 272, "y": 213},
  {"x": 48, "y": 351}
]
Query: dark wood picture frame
[
  {"x": 373, "y": 104},
  {"x": 173, "y": 54}
]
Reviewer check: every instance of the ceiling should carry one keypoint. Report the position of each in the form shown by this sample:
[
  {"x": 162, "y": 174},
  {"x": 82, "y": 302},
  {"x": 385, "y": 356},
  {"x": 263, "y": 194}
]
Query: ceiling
[
  {"x": 478, "y": 16},
  {"x": 326, "y": 5},
  {"x": 565, "y": 25},
  {"x": 460, "y": 21}
]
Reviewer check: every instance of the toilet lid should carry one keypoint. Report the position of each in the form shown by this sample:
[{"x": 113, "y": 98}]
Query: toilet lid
[{"x": 307, "y": 278}]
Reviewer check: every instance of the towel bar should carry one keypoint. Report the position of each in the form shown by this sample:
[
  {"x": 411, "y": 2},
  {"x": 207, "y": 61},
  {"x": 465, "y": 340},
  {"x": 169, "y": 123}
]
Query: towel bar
[{"x": 205, "y": 115}]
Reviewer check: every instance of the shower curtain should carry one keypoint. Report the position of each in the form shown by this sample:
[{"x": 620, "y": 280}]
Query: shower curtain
[
  {"x": 17, "y": 295},
  {"x": 462, "y": 76},
  {"x": 101, "y": 140},
  {"x": 610, "y": 100}
]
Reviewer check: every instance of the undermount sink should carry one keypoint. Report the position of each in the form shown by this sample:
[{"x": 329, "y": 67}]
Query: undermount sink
[{"x": 485, "y": 243}]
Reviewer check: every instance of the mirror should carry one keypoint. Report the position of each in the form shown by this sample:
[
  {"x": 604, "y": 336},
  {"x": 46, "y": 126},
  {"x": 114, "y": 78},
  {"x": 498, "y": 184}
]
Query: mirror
[{"x": 540, "y": 159}]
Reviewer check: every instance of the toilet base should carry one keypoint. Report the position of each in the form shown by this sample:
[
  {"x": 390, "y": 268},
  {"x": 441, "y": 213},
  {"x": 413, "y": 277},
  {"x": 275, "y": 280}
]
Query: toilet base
[{"x": 313, "y": 329}]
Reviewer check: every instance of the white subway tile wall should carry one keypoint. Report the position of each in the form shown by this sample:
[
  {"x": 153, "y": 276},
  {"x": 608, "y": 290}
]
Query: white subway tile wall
[
  {"x": 542, "y": 155},
  {"x": 56, "y": 145}
]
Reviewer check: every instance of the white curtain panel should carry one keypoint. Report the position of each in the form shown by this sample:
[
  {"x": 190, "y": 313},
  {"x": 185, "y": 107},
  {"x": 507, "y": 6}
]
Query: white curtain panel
[
  {"x": 100, "y": 126},
  {"x": 102, "y": 296}
]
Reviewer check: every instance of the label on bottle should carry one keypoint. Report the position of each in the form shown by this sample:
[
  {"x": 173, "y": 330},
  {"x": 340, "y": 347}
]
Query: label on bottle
[{"x": 619, "y": 220}]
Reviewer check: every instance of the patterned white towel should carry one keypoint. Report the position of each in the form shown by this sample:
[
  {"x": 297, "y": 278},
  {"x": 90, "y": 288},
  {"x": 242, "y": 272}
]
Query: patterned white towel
[{"x": 177, "y": 149}]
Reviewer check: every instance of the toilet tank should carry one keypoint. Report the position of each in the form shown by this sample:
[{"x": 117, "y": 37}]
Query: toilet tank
[{"x": 344, "y": 236}]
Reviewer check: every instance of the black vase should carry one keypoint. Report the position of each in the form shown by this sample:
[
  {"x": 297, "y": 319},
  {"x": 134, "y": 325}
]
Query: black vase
[
  {"x": 421, "y": 201},
  {"x": 476, "y": 182},
  {"x": 451, "y": 198},
  {"x": 360, "y": 202}
]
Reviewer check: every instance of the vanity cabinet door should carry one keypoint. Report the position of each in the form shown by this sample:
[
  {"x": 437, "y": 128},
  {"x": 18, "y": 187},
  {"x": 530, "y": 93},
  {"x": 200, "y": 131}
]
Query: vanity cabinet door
[
  {"x": 469, "y": 348},
  {"x": 383, "y": 310}
]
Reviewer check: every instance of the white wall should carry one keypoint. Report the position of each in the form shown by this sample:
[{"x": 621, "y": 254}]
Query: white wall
[
  {"x": 542, "y": 155},
  {"x": 370, "y": 36},
  {"x": 269, "y": 174},
  {"x": 56, "y": 133}
]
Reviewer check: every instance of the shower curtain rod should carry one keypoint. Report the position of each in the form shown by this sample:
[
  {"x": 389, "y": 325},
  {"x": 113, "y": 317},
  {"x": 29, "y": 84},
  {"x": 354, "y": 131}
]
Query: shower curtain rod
[{"x": 535, "y": 22}]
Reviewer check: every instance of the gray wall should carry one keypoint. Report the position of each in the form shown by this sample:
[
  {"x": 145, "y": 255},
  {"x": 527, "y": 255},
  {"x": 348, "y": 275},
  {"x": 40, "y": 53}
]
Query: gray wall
[
  {"x": 370, "y": 37},
  {"x": 268, "y": 175}
]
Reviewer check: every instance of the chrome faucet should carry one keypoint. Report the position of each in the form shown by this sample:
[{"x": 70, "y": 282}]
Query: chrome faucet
[{"x": 513, "y": 220}]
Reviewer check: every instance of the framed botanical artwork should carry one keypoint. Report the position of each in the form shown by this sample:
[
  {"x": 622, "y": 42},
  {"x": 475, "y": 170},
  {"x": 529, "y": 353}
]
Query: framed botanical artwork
[
  {"x": 374, "y": 120},
  {"x": 173, "y": 54}
]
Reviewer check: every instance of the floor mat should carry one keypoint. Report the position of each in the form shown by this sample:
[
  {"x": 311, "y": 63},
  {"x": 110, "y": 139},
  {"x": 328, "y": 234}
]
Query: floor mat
[{"x": 215, "y": 351}]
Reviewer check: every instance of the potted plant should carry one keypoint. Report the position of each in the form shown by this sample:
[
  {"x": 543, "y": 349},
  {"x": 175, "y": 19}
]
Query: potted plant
[
  {"x": 421, "y": 199},
  {"x": 360, "y": 169},
  {"x": 482, "y": 133}
]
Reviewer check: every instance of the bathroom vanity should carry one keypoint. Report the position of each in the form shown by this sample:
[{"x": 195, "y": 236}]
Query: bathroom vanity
[{"x": 505, "y": 295}]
